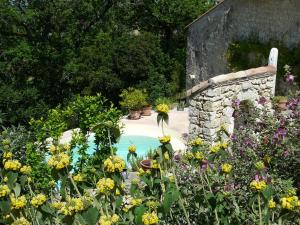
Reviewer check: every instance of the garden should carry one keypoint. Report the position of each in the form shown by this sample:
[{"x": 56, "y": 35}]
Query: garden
[{"x": 248, "y": 177}]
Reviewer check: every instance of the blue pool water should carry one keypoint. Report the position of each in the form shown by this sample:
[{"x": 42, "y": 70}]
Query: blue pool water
[{"x": 143, "y": 145}]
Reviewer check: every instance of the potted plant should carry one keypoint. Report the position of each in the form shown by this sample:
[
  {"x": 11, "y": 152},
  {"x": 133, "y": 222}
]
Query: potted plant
[
  {"x": 147, "y": 110},
  {"x": 133, "y": 100},
  {"x": 281, "y": 102},
  {"x": 146, "y": 164}
]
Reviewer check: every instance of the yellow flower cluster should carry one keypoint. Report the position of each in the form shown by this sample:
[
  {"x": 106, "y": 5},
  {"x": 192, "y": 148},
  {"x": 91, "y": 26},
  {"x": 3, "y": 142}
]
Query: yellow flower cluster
[
  {"x": 72, "y": 206},
  {"x": 226, "y": 168},
  {"x": 25, "y": 169},
  {"x": 21, "y": 221},
  {"x": 150, "y": 218},
  {"x": 290, "y": 203},
  {"x": 166, "y": 156},
  {"x": 260, "y": 165},
  {"x": 132, "y": 148},
  {"x": 109, "y": 220},
  {"x": 258, "y": 185},
  {"x": 188, "y": 155},
  {"x": 196, "y": 142},
  {"x": 114, "y": 164},
  {"x": 152, "y": 204},
  {"x": 18, "y": 203},
  {"x": 199, "y": 155},
  {"x": 7, "y": 155},
  {"x": 4, "y": 190},
  {"x": 59, "y": 161},
  {"x": 162, "y": 108},
  {"x": 165, "y": 139},
  {"x": 219, "y": 146},
  {"x": 12, "y": 165},
  {"x": 142, "y": 172},
  {"x": 155, "y": 164},
  {"x": 38, "y": 200},
  {"x": 78, "y": 178},
  {"x": 171, "y": 177},
  {"x": 105, "y": 185},
  {"x": 136, "y": 202},
  {"x": 272, "y": 204},
  {"x": 57, "y": 205},
  {"x": 55, "y": 149}
]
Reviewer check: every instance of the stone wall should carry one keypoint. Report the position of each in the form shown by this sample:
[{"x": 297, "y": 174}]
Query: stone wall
[
  {"x": 210, "y": 35},
  {"x": 211, "y": 101}
]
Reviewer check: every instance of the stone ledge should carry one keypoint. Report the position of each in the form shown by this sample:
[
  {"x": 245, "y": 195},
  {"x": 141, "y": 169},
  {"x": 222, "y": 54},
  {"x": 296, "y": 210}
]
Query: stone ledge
[{"x": 251, "y": 73}]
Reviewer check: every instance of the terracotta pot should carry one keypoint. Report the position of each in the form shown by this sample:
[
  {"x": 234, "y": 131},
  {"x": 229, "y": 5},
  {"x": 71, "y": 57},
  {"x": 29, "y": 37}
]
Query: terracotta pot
[
  {"x": 282, "y": 104},
  {"x": 146, "y": 164},
  {"x": 134, "y": 114},
  {"x": 147, "y": 111}
]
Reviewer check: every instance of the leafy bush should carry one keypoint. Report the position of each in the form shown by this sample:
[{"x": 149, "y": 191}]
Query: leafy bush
[{"x": 133, "y": 99}]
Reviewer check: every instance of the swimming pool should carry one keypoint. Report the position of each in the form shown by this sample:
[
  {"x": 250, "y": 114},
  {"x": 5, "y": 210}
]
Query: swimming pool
[{"x": 143, "y": 145}]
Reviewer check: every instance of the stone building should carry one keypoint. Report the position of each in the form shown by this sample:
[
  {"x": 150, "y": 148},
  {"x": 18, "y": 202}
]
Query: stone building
[
  {"x": 211, "y": 100},
  {"x": 210, "y": 35}
]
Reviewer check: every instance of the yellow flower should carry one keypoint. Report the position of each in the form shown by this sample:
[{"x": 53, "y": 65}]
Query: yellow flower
[
  {"x": 52, "y": 183},
  {"x": 188, "y": 155},
  {"x": 5, "y": 179},
  {"x": 260, "y": 165},
  {"x": 53, "y": 149},
  {"x": 59, "y": 161},
  {"x": 12, "y": 165},
  {"x": 199, "y": 155},
  {"x": 196, "y": 142},
  {"x": 135, "y": 181},
  {"x": 136, "y": 201},
  {"x": 162, "y": 108},
  {"x": 25, "y": 169},
  {"x": 29, "y": 179},
  {"x": 4, "y": 190},
  {"x": 114, "y": 164},
  {"x": 171, "y": 177},
  {"x": 7, "y": 155},
  {"x": 258, "y": 185},
  {"x": 18, "y": 203},
  {"x": 71, "y": 206},
  {"x": 132, "y": 148},
  {"x": 272, "y": 204},
  {"x": 165, "y": 139},
  {"x": 78, "y": 178},
  {"x": 38, "y": 200},
  {"x": 226, "y": 168},
  {"x": 21, "y": 221},
  {"x": 155, "y": 164},
  {"x": 152, "y": 204},
  {"x": 150, "y": 218},
  {"x": 215, "y": 148},
  {"x": 290, "y": 202},
  {"x": 57, "y": 205},
  {"x": 105, "y": 185},
  {"x": 109, "y": 220},
  {"x": 140, "y": 172}
]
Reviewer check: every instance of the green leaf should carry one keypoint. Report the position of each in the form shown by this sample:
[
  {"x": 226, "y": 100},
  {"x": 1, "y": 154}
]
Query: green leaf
[
  {"x": 12, "y": 178},
  {"x": 4, "y": 206},
  {"x": 17, "y": 189},
  {"x": 138, "y": 212},
  {"x": 91, "y": 216},
  {"x": 169, "y": 198}
]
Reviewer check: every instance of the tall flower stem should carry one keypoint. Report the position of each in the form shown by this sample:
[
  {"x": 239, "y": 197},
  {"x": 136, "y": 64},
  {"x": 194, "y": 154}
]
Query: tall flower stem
[{"x": 259, "y": 209}]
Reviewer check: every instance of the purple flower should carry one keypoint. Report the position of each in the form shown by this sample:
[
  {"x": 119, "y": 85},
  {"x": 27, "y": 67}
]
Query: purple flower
[
  {"x": 236, "y": 103},
  {"x": 262, "y": 100},
  {"x": 290, "y": 78},
  {"x": 286, "y": 153},
  {"x": 280, "y": 133},
  {"x": 234, "y": 137},
  {"x": 293, "y": 103}
]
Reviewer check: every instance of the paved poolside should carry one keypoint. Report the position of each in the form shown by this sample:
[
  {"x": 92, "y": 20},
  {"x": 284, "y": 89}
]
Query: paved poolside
[{"x": 177, "y": 127}]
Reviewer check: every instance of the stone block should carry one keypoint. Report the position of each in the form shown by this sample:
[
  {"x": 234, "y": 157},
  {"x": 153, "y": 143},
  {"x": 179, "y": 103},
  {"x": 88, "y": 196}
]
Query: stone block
[{"x": 246, "y": 85}]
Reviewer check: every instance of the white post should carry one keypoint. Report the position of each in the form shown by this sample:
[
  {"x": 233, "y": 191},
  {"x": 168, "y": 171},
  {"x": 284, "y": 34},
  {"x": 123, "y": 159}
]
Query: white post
[{"x": 273, "y": 57}]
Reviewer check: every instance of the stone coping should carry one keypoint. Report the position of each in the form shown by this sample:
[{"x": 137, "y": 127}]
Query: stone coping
[{"x": 224, "y": 78}]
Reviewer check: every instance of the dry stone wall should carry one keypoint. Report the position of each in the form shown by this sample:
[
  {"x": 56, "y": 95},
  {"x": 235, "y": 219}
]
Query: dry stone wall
[{"x": 211, "y": 101}]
